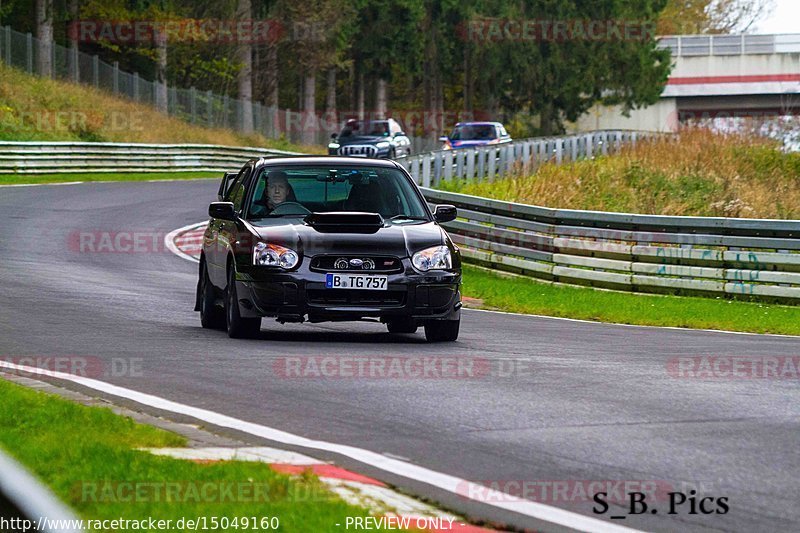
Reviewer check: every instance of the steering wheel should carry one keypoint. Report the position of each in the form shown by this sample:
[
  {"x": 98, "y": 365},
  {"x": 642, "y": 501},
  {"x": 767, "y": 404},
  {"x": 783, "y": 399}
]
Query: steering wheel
[{"x": 290, "y": 208}]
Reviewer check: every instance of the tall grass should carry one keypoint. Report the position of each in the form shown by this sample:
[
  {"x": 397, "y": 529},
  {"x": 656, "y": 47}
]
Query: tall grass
[
  {"x": 698, "y": 173},
  {"x": 39, "y": 109}
]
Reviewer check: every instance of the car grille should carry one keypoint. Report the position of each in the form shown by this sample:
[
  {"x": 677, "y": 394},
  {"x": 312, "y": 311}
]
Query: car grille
[
  {"x": 364, "y": 150},
  {"x": 350, "y": 263},
  {"x": 356, "y": 298}
]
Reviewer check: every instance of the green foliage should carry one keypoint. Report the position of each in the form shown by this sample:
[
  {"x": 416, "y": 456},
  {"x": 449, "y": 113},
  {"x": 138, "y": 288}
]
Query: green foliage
[{"x": 424, "y": 48}]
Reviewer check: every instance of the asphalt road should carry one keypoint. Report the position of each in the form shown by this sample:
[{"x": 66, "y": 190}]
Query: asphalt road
[{"x": 585, "y": 401}]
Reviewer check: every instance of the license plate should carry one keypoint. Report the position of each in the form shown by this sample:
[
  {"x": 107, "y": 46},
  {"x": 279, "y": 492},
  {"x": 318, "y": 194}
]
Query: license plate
[{"x": 357, "y": 281}]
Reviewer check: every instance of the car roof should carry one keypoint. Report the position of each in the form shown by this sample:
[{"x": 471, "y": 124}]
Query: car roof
[
  {"x": 305, "y": 160},
  {"x": 478, "y": 124}
]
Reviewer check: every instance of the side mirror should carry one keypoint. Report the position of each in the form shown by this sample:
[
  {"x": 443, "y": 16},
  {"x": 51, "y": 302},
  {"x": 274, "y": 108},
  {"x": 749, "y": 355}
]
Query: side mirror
[
  {"x": 444, "y": 138},
  {"x": 222, "y": 210},
  {"x": 445, "y": 213},
  {"x": 334, "y": 136},
  {"x": 400, "y": 134}
]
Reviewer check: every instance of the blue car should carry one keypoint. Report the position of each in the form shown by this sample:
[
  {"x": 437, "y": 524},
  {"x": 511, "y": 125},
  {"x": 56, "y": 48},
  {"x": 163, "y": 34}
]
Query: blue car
[{"x": 474, "y": 134}]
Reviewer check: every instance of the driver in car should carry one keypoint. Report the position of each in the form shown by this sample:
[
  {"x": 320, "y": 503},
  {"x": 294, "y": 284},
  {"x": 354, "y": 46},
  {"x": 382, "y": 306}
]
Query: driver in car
[{"x": 277, "y": 191}]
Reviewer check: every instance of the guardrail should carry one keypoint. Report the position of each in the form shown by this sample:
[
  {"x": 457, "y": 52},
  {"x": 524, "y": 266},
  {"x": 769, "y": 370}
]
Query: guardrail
[
  {"x": 74, "y": 157},
  {"x": 730, "y": 45},
  {"x": 495, "y": 161},
  {"x": 642, "y": 253},
  {"x": 25, "y": 501},
  {"x": 429, "y": 168}
]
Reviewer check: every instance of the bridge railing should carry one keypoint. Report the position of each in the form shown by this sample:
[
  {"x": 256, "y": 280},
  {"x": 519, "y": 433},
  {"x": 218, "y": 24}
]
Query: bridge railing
[
  {"x": 641, "y": 253},
  {"x": 730, "y": 45}
]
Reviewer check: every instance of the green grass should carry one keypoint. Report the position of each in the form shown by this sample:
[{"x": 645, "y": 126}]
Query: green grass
[
  {"x": 524, "y": 295},
  {"x": 19, "y": 179},
  {"x": 82, "y": 452},
  {"x": 41, "y": 109}
]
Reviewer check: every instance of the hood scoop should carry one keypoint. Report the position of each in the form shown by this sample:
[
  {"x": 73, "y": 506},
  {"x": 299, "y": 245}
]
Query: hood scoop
[{"x": 345, "y": 222}]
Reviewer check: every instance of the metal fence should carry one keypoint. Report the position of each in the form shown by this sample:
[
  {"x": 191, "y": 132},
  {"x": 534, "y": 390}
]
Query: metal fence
[
  {"x": 496, "y": 161},
  {"x": 642, "y": 253},
  {"x": 202, "y": 108}
]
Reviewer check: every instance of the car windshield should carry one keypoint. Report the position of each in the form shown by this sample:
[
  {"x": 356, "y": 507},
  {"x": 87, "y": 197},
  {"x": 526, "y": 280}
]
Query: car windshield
[
  {"x": 474, "y": 132},
  {"x": 296, "y": 191},
  {"x": 372, "y": 128}
]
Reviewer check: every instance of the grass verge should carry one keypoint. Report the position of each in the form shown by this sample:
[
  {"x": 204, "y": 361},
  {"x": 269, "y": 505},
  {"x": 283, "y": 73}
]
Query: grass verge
[
  {"x": 88, "y": 457},
  {"x": 22, "y": 179},
  {"x": 525, "y": 295},
  {"x": 40, "y": 109},
  {"x": 698, "y": 173}
]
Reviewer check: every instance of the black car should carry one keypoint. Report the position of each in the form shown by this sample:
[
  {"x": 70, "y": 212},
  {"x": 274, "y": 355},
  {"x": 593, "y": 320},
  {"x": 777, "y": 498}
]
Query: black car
[
  {"x": 328, "y": 239},
  {"x": 383, "y": 139}
]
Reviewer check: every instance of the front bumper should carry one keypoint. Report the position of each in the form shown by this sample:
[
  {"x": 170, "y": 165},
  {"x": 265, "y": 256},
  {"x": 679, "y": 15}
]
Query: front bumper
[{"x": 292, "y": 296}]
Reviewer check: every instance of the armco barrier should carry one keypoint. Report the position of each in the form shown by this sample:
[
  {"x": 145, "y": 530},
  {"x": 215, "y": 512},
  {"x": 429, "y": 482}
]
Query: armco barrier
[
  {"x": 643, "y": 253},
  {"x": 496, "y": 161},
  {"x": 647, "y": 253},
  {"x": 68, "y": 157},
  {"x": 429, "y": 168}
]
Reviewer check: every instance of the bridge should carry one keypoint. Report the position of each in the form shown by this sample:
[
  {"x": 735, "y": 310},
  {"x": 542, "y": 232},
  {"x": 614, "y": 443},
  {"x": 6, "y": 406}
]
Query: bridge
[{"x": 719, "y": 76}]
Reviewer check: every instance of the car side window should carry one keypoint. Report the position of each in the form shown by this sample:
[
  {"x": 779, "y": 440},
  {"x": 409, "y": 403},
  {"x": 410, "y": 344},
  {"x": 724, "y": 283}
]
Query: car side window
[
  {"x": 394, "y": 128},
  {"x": 232, "y": 186},
  {"x": 238, "y": 190}
]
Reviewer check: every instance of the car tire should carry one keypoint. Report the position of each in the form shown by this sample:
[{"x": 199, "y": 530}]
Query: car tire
[
  {"x": 211, "y": 315},
  {"x": 442, "y": 330},
  {"x": 238, "y": 326},
  {"x": 393, "y": 154},
  {"x": 401, "y": 326}
]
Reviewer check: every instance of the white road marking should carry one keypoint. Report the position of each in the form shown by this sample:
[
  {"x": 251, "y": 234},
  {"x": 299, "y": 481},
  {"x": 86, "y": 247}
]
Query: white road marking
[
  {"x": 169, "y": 241},
  {"x": 446, "y": 482}
]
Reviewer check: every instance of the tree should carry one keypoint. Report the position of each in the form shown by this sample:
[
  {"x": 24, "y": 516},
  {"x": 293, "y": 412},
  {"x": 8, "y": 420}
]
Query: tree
[
  {"x": 316, "y": 39},
  {"x": 682, "y": 17},
  {"x": 244, "y": 55},
  {"x": 44, "y": 34}
]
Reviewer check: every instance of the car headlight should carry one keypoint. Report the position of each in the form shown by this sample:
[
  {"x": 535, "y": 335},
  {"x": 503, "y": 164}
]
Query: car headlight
[
  {"x": 383, "y": 145},
  {"x": 274, "y": 256},
  {"x": 435, "y": 258},
  {"x": 333, "y": 146}
]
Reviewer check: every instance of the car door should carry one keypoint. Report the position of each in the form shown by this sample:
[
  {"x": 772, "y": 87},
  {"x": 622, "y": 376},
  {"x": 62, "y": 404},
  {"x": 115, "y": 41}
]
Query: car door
[
  {"x": 228, "y": 233},
  {"x": 216, "y": 239}
]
